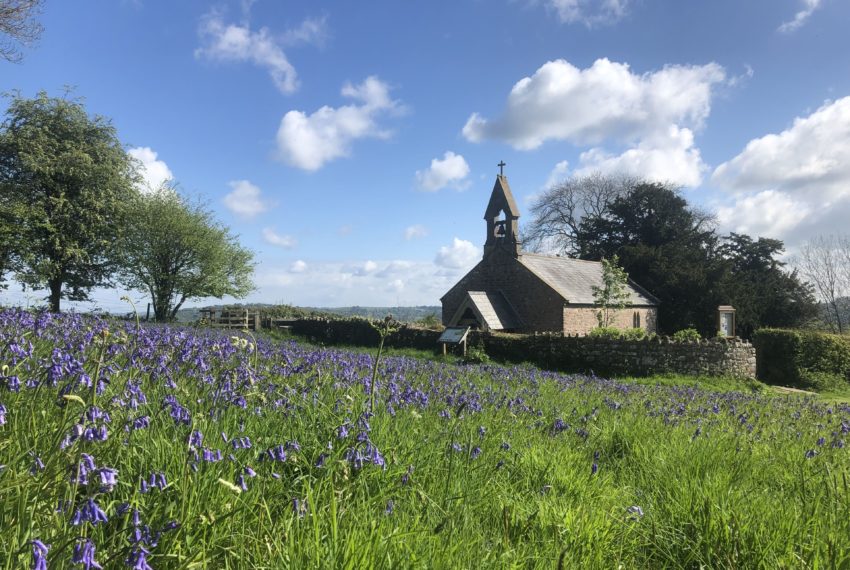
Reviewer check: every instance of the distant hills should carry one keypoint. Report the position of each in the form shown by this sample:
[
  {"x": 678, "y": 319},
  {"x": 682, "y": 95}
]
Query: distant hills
[{"x": 403, "y": 314}]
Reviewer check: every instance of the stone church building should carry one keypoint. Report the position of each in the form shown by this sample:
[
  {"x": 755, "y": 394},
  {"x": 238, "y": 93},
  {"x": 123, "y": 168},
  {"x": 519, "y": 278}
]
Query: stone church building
[{"x": 513, "y": 291}]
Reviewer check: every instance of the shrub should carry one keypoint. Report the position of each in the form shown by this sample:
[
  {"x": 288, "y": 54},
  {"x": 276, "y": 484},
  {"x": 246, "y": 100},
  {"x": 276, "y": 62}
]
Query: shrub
[
  {"x": 686, "y": 335},
  {"x": 617, "y": 334},
  {"x": 805, "y": 359},
  {"x": 476, "y": 355}
]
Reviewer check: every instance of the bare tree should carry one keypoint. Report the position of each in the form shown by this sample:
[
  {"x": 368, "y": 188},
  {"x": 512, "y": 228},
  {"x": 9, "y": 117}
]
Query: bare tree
[
  {"x": 18, "y": 26},
  {"x": 558, "y": 212},
  {"x": 824, "y": 261}
]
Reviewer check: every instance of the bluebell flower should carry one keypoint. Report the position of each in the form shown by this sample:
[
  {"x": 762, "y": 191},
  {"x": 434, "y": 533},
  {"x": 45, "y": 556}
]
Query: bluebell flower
[
  {"x": 89, "y": 512},
  {"x": 388, "y": 510},
  {"x": 138, "y": 559},
  {"x": 84, "y": 554},
  {"x": 39, "y": 554}
]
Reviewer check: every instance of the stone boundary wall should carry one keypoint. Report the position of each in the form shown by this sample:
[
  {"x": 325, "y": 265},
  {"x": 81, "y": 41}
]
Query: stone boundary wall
[{"x": 710, "y": 357}]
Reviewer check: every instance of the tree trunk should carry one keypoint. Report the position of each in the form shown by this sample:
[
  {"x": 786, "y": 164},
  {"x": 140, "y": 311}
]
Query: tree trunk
[{"x": 55, "y": 294}]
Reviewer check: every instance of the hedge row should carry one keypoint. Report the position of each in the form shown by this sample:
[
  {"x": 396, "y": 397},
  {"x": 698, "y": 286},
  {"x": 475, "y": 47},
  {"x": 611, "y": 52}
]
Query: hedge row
[{"x": 803, "y": 359}]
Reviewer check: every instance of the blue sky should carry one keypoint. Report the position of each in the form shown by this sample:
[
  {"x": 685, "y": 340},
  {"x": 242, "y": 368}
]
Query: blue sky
[{"x": 353, "y": 145}]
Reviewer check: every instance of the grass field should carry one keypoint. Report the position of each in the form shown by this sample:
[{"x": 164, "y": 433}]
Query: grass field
[{"x": 175, "y": 448}]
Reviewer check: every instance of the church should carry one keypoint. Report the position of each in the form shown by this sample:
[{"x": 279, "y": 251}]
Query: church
[{"x": 514, "y": 291}]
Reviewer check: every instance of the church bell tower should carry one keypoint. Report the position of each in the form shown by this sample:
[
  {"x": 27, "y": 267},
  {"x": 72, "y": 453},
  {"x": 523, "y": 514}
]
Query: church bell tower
[{"x": 502, "y": 217}]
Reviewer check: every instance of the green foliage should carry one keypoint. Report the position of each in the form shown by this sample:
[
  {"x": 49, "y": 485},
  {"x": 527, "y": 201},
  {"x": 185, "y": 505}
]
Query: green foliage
[
  {"x": 687, "y": 335},
  {"x": 66, "y": 182},
  {"x": 176, "y": 251},
  {"x": 672, "y": 250},
  {"x": 755, "y": 282},
  {"x": 614, "y": 293},
  {"x": 476, "y": 354},
  {"x": 618, "y": 334},
  {"x": 803, "y": 359}
]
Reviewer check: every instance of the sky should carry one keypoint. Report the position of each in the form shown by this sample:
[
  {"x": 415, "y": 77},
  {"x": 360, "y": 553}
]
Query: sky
[{"x": 353, "y": 145}]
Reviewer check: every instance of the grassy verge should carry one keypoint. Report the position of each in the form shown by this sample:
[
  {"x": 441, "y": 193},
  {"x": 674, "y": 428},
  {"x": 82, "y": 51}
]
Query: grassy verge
[{"x": 187, "y": 449}]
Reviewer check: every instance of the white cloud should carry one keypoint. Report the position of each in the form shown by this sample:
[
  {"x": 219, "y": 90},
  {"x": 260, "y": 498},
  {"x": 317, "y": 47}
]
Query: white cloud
[
  {"x": 809, "y": 6},
  {"x": 558, "y": 174},
  {"x": 154, "y": 171},
  {"x": 670, "y": 158},
  {"x": 589, "y": 12},
  {"x": 311, "y": 31},
  {"x": 794, "y": 181},
  {"x": 274, "y": 238},
  {"x": 237, "y": 43},
  {"x": 298, "y": 266},
  {"x": 310, "y": 141},
  {"x": 415, "y": 231},
  {"x": 654, "y": 115},
  {"x": 451, "y": 171},
  {"x": 767, "y": 213},
  {"x": 245, "y": 200},
  {"x": 461, "y": 254},
  {"x": 605, "y": 101}
]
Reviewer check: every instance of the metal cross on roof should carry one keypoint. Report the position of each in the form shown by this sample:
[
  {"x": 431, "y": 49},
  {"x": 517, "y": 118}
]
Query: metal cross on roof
[{"x": 501, "y": 166}]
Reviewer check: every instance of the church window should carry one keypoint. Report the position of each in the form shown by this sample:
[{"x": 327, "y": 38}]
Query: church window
[{"x": 636, "y": 320}]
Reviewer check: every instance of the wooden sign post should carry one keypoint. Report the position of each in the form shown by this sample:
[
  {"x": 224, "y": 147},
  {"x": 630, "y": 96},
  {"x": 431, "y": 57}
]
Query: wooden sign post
[{"x": 455, "y": 336}]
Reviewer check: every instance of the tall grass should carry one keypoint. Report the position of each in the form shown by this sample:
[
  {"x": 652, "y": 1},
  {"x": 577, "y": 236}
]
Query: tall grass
[{"x": 462, "y": 467}]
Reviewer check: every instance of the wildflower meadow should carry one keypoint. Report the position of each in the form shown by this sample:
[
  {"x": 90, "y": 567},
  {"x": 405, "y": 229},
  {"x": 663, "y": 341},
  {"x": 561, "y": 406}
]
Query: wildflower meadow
[{"x": 127, "y": 446}]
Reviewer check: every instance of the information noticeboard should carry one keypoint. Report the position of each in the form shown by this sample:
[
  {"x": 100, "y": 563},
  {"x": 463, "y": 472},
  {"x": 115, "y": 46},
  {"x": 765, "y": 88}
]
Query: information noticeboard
[{"x": 454, "y": 335}]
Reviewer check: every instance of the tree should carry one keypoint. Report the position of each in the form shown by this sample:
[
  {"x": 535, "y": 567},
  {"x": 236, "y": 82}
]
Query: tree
[
  {"x": 17, "y": 23},
  {"x": 665, "y": 246},
  {"x": 66, "y": 181},
  {"x": 756, "y": 283},
  {"x": 614, "y": 294},
  {"x": 176, "y": 251},
  {"x": 824, "y": 261},
  {"x": 559, "y": 211}
]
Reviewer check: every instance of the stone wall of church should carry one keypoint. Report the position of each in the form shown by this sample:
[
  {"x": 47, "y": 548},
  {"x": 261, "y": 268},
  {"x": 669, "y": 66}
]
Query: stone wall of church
[
  {"x": 538, "y": 306},
  {"x": 580, "y": 320}
]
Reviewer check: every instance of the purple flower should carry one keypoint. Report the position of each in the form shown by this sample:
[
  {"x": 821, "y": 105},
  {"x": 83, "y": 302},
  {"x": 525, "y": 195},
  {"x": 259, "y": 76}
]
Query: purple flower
[
  {"x": 196, "y": 439},
  {"x": 3, "y": 413},
  {"x": 108, "y": 479},
  {"x": 320, "y": 462},
  {"x": 276, "y": 453},
  {"x": 342, "y": 431},
  {"x": 138, "y": 559},
  {"x": 476, "y": 451},
  {"x": 39, "y": 554},
  {"x": 594, "y": 468},
  {"x": 89, "y": 512},
  {"x": 84, "y": 554},
  {"x": 389, "y": 508},
  {"x": 811, "y": 453}
]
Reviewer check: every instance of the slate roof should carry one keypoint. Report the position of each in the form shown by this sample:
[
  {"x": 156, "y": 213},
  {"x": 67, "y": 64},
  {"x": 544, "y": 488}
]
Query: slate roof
[
  {"x": 494, "y": 309},
  {"x": 573, "y": 279}
]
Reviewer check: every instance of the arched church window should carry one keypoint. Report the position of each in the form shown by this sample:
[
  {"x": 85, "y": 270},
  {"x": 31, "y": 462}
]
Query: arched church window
[{"x": 636, "y": 320}]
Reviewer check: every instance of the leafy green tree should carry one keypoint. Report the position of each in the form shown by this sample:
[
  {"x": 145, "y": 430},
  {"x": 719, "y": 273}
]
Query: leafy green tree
[
  {"x": 757, "y": 284},
  {"x": 665, "y": 246},
  {"x": 176, "y": 251},
  {"x": 66, "y": 181},
  {"x": 614, "y": 293}
]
